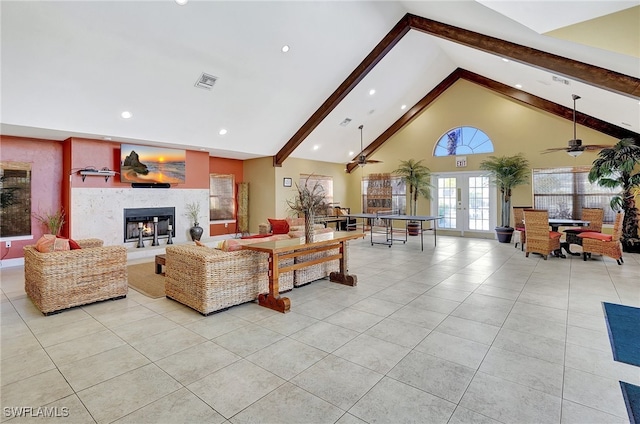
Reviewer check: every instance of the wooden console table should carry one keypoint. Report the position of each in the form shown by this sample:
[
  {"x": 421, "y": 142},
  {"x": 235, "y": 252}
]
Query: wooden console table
[{"x": 285, "y": 249}]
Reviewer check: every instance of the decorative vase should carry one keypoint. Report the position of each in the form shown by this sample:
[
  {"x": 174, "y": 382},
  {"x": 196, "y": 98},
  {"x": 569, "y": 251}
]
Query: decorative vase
[
  {"x": 196, "y": 232},
  {"x": 308, "y": 227}
]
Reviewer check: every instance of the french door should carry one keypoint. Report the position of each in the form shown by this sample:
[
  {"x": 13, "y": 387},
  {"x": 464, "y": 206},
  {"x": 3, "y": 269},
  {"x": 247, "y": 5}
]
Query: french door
[{"x": 466, "y": 200}]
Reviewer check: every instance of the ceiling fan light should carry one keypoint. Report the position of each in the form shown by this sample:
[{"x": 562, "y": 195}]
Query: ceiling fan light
[{"x": 574, "y": 153}]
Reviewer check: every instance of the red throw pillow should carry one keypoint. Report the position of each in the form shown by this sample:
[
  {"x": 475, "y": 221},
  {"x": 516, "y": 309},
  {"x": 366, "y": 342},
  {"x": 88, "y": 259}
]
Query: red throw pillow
[
  {"x": 74, "y": 244},
  {"x": 279, "y": 226}
]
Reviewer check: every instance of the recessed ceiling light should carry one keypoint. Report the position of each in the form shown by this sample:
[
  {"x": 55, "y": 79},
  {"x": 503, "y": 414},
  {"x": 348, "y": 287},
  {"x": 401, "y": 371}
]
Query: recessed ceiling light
[
  {"x": 351, "y": 153},
  {"x": 505, "y": 60},
  {"x": 316, "y": 147},
  {"x": 403, "y": 107},
  {"x": 126, "y": 114},
  {"x": 182, "y": 2},
  {"x": 106, "y": 138},
  {"x": 518, "y": 85},
  {"x": 203, "y": 150},
  {"x": 372, "y": 92},
  {"x": 222, "y": 131},
  {"x": 285, "y": 48}
]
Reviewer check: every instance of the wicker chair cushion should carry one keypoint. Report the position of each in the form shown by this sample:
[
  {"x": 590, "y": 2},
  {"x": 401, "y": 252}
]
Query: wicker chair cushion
[
  {"x": 50, "y": 243},
  {"x": 301, "y": 227},
  {"x": 554, "y": 234},
  {"x": 279, "y": 226},
  {"x": 596, "y": 236},
  {"x": 576, "y": 230},
  {"x": 295, "y": 221}
]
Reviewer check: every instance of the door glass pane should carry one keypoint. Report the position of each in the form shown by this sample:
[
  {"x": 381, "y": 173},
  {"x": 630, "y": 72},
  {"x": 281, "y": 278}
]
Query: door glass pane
[
  {"x": 479, "y": 203},
  {"x": 447, "y": 202}
]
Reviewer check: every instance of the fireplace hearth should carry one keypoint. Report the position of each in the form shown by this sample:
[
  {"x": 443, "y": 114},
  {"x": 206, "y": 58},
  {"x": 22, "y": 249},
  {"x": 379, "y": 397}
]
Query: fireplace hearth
[{"x": 142, "y": 219}]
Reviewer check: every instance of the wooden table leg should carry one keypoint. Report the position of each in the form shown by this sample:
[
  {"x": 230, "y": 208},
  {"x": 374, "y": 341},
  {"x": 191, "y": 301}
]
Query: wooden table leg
[
  {"x": 272, "y": 300},
  {"x": 343, "y": 277}
]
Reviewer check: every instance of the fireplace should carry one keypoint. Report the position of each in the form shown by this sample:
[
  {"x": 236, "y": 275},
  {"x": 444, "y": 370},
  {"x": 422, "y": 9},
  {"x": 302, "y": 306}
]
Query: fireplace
[{"x": 142, "y": 219}]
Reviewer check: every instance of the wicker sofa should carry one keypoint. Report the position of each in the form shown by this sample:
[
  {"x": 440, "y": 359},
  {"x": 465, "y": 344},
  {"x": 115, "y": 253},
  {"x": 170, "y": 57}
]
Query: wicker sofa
[
  {"x": 210, "y": 280},
  {"x": 60, "y": 280}
]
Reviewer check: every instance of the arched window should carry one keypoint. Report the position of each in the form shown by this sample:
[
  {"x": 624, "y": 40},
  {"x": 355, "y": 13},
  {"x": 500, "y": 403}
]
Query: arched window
[{"x": 463, "y": 141}]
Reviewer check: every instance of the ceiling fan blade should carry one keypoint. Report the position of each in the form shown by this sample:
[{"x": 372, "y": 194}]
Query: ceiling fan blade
[
  {"x": 556, "y": 149},
  {"x": 596, "y": 147},
  {"x": 373, "y": 161}
]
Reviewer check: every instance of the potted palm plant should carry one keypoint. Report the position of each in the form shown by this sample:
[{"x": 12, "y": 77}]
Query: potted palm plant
[
  {"x": 417, "y": 178},
  {"x": 614, "y": 168},
  {"x": 507, "y": 172}
]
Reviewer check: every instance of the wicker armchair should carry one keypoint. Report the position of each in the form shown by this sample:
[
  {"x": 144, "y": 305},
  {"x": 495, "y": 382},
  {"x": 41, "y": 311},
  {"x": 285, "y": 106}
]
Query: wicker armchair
[
  {"x": 539, "y": 238},
  {"x": 210, "y": 280},
  {"x": 594, "y": 216},
  {"x": 518, "y": 224},
  {"x": 604, "y": 244},
  {"x": 56, "y": 281}
]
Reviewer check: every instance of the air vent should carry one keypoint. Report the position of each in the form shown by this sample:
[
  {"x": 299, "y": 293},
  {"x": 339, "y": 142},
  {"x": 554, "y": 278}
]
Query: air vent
[
  {"x": 560, "y": 80},
  {"x": 345, "y": 122},
  {"x": 206, "y": 81}
]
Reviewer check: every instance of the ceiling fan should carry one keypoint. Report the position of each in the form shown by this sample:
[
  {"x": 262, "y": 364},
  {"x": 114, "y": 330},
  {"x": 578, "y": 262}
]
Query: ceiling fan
[
  {"x": 575, "y": 147},
  {"x": 362, "y": 160}
]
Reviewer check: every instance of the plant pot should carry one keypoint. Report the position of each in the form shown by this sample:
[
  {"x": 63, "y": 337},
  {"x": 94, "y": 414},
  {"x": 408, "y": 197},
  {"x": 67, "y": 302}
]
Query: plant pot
[
  {"x": 413, "y": 228},
  {"x": 504, "y": 234},
  {"x": 195, "y": 232},
  {"x": 631, "y": 245}
]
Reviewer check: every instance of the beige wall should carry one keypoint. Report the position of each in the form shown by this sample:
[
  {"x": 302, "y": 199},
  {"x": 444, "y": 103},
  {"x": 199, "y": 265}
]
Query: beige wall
[
  {"x": 260, "y": 174},
  {"x": 513, "y": 127},
  {"x": 267, "y": 195}
]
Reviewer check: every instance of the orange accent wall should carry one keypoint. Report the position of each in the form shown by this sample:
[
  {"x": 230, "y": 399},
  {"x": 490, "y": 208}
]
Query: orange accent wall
[
  {"x": 225, "y": 166},
  {"x": 47, "y": 180},
  {"x": 105, "y": 154},
  {"x": 55, "y": 166}
]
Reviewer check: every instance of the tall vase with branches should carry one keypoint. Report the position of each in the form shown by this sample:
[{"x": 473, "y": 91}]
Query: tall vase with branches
[
  {"x": 507, "y": 172},
  {"x": 309, "y": 202},
  {"x": 417, "y": 178},
  {"x": 617, "y": 167}
]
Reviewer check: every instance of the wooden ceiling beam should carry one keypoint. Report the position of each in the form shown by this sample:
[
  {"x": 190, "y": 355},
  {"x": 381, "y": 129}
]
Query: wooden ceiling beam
[
  {"x": 589, "y": 74},
  {"x": 377, "y": 54},
  {"x": 579, "y": 71},
  {"x": 505, "y": 90}
]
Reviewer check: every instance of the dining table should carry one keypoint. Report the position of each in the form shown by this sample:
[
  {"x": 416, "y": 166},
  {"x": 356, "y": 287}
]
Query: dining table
[{"x": 556, "y": 223}]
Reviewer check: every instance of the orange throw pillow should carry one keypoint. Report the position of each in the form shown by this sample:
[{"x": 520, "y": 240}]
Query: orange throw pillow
[{"x": 50, "y": 243}]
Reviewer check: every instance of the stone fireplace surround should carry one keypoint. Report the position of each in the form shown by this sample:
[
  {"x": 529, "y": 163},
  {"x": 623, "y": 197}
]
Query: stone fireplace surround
[{"x": 99, "y": 212}]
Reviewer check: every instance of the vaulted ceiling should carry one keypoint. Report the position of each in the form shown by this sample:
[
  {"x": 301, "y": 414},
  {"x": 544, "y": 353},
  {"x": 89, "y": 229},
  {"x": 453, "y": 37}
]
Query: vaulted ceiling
[{"x": 70, "y": 68}]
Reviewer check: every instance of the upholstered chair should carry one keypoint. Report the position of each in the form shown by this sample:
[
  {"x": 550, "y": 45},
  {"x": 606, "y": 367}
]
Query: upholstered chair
[
  {"x": 539, "y": 238},
  {"x": 595, "y": 217},
  {"x": 604, "y": 244}
]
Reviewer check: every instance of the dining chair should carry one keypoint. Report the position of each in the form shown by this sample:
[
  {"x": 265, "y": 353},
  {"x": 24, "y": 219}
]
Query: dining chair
[
  {"x": 595, "y": 217},
  {"x": 520, "y": 235},
  {"x": 539, "y": 238},
  {"x": 604, "y": 244}
]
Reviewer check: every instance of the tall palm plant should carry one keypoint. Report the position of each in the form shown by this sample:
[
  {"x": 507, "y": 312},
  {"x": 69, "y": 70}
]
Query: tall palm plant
[
  {"x": 507, "y": 172},
  {"x": 617, "y": 167},
  {"x": 417, "y": 178}
]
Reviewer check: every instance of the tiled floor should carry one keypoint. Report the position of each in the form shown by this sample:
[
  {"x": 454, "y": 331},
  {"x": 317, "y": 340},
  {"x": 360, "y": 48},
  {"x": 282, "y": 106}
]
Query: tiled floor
[{"x": 468, "y": 332}]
